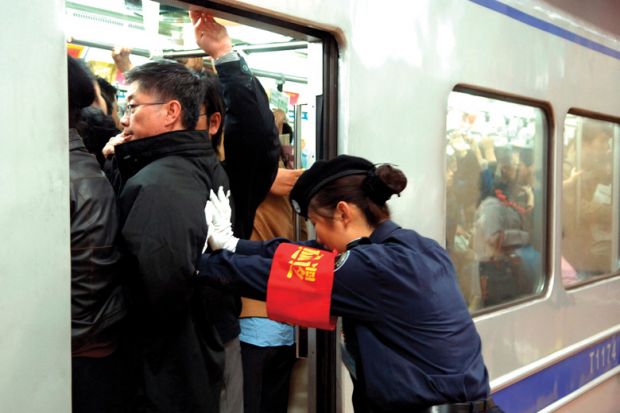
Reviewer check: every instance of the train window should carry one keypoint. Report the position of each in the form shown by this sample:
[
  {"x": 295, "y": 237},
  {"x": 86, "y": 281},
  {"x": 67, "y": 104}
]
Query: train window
[
  {"x": 495, "y": 220},
  {"x": 589, "y": 206}
]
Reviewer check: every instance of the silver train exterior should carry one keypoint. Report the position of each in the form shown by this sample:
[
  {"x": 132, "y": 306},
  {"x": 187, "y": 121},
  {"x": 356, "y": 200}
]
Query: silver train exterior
[{"x": 398, "y": 63}]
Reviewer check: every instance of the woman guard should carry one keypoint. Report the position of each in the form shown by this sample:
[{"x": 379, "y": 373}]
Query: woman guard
[{"x": 411, "y": 342}]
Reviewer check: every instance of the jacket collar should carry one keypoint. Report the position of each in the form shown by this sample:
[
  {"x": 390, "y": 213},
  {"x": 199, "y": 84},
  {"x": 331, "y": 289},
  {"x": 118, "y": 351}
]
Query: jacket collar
[
  {"x": 135, "y": 155},
  {"x": 383, "y": 231},
  {"x": 75, "y": 140}
]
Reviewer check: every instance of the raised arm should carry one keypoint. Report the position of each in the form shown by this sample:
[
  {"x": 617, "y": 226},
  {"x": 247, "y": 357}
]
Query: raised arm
[{"x": 251, "y": 143}]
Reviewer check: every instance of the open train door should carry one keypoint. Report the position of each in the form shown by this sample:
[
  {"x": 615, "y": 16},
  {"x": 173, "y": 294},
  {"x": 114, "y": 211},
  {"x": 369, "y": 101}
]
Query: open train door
[{"x": 298, "y": 68}]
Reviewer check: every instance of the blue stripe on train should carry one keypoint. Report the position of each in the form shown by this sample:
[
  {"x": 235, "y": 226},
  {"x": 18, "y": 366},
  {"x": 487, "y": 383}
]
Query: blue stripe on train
[
  {"x": 561, "y": 379},
  {"x": 547, "y": 27}
]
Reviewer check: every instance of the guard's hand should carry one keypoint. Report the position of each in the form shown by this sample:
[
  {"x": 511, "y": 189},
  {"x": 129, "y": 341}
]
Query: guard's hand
[
  {"x": 108, "y": 149},
  {"x": 218, "y": 217},
  {"x": 211, "y": 36}
]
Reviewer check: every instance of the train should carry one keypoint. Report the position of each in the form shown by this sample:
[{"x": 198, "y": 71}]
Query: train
[{"x": 503, "y": 114}]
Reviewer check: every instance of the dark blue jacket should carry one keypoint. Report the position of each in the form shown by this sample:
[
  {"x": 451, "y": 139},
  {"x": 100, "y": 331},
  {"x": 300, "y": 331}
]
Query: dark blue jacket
[{"x": 406, "y": 322}]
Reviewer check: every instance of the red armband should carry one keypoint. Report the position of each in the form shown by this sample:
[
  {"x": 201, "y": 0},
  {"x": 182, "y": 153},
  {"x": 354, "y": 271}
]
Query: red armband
[{"x": 299, "y": 290}]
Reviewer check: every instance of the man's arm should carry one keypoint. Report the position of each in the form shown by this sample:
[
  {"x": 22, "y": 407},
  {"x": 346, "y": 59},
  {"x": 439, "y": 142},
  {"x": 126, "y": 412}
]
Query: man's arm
[
  {"x": 251, "y": 143},
  {"x": 120, "y": 55}
]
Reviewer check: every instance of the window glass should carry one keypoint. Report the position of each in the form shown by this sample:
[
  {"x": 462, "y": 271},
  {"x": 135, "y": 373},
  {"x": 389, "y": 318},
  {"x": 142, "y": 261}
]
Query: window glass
[
  {"x": 588, "y": 217},
  {"x": 495, "y": 223}
]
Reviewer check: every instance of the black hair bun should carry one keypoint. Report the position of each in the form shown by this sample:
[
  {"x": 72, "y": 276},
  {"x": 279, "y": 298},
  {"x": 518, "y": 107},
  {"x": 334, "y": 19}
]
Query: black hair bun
[
  {"x": 394, "y": 179},
  {"x": 383, "y": 182}
]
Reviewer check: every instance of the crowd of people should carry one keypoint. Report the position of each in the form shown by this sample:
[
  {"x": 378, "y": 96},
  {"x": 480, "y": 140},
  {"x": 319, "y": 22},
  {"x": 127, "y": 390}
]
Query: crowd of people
[
  {"x": 587, "y": 203},
  {"x": 139, "y": 324},
  {"x": 177, "y": 210},
  {"x": 494, "y": 207}
]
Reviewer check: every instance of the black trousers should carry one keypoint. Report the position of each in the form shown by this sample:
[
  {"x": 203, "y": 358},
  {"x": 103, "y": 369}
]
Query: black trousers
[
  {"x": 99, "y": 385},
  {"x": 266, "y": 377}
]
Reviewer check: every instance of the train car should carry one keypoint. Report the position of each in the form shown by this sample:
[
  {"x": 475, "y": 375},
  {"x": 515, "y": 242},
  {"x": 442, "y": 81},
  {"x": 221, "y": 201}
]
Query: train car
[{"x": 503, "y": 114}]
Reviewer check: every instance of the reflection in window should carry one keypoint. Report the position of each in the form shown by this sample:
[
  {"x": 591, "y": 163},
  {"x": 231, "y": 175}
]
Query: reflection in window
[
  {"x": 587, "y": 215},
  {"x": 495, "y": 205}
]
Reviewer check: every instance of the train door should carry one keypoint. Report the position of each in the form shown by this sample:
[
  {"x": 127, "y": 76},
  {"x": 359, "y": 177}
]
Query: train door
[
  {"x": 34, "y": 211},
  {"x": 297, "y": 67}
]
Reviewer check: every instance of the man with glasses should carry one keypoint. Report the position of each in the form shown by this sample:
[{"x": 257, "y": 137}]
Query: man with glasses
[{"x": 168, "y": 169}]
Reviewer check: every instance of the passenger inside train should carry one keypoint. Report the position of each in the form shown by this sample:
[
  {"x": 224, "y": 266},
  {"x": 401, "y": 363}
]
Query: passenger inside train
[
  {"x": 587, "y": 199},
  {"x": 98, "y": 305},
  {"x": 494, "y": 205}
]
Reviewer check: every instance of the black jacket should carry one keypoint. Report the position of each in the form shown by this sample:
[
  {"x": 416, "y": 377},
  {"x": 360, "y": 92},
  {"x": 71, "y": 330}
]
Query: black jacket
[
  {"x": 252, "y": 148},
  {"x": 97, "y": 302},
  {"x": 179, "y": 355},
  {"x": 251, "y": 142}
]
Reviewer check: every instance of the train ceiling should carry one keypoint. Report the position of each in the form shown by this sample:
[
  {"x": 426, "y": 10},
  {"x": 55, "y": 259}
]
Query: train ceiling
[{"x": 152, "y": 29}]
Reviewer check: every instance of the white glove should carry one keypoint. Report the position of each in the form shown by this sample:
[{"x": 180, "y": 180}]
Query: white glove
[{"x": 218, "y": 215}]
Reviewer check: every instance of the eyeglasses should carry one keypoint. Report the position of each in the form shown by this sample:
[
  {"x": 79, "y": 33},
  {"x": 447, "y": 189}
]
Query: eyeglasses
[{"x": 130, "y": 108}]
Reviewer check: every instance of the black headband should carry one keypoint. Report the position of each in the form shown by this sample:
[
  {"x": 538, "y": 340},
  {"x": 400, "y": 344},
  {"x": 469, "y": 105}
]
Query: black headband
[
  {"x": 318, "y": 186},
  {"x": 323, "y": 173}
]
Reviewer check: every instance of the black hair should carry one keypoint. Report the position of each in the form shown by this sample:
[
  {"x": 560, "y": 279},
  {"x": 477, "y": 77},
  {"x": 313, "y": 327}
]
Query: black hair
[
  {"x": 214, "y": 103},
  {"x": 96, "y": 128},
  {"x": 369, "y": 192},
  {"x": 287, "y": 130},
  {"x": 80, "y": 87},
  {"x": 170, "y": 80},
  {"x": 108, "y": 92}
]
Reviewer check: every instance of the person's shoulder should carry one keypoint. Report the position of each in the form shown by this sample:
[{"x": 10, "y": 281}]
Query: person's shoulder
[
  {"x": 147, "y": 176},
  {"x": 80, "y": 160},
  {"x": 163, "y": 171},
  {"x": 400, "y": 234},
  {"x": 86, "y": 172},
  {"x": 406, "y": 238},
  {"x": 174, "y": 178},
  {"x": 149, "y": 181}
]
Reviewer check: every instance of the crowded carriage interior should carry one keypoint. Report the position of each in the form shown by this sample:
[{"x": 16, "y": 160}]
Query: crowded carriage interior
[{"x": 495, "y": 200}]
